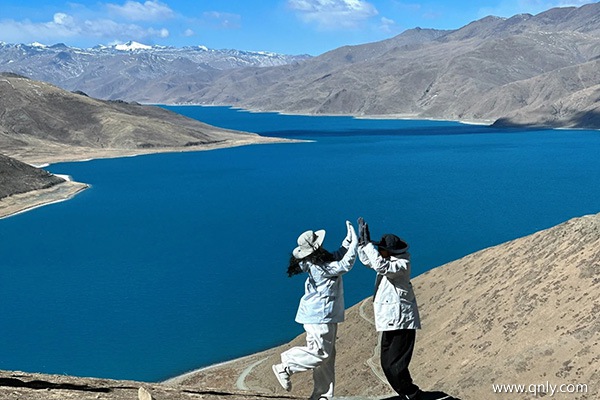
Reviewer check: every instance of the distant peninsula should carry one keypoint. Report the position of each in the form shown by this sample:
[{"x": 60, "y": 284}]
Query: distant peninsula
[
  {"x": 42, "y": 124},
  {"x": 23, "y": 187}
]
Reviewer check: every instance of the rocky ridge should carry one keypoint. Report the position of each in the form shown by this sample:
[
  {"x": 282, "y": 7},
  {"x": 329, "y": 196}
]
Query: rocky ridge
[
  {"x": 533, "y": 70},
  {"x": 17, "y": 177},
  {"x": 23, "y": 186},
  {"x": 119, "y": 71},
  {"x": 39, "y": 121}
]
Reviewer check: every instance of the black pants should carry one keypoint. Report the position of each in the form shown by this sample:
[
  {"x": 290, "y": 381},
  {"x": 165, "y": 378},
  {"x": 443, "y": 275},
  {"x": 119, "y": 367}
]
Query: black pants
[{"x": 396, "y": 351}]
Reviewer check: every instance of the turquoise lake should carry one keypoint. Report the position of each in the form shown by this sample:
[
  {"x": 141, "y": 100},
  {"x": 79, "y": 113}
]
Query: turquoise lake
[{"x": 171, "y": 262}]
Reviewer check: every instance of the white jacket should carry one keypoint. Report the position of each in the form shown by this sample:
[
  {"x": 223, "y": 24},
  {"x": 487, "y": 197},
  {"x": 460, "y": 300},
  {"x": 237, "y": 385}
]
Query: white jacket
[
  {"x": 394, "y": 303},
  {"x": 323, "y": 300}
]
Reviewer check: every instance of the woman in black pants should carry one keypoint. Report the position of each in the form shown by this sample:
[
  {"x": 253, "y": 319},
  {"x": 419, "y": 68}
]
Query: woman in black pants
[{"x": 395, "y": 305}]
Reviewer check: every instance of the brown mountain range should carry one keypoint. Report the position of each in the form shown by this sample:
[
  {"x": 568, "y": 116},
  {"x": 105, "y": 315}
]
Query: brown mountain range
[
  {"x": 526, "y": 70},
  {"x": 532, "y": 70}
]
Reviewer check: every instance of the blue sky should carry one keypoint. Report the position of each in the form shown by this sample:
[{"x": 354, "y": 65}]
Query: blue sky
[{"x": 284, "y": 26}]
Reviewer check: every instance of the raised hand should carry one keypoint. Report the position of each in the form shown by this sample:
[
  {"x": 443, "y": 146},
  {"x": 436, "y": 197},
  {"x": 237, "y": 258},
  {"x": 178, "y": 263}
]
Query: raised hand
[{"x": 364, "y": 236}]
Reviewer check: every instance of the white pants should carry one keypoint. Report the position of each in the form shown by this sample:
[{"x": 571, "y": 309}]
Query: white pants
[{"x": 318, "y": 355}]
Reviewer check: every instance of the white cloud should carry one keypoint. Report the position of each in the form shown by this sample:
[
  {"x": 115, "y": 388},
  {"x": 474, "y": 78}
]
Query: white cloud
[
  {"x": 222, "y": 20},
  {"x": 62, "y": 19},
  {"x": 111, "y": 30},
  {"x": 188, "y": 33},
  {"x": 387, "y": 25},
  {"x": 148, "y": 11},
  {"x": 163, "y": 33},
  {"x": 331, "y": 14},
  {"x": 64, "y": 26}
]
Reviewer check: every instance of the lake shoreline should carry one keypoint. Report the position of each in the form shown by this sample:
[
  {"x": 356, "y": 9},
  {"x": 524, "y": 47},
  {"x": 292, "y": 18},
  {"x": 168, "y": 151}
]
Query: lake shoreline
[
  {"x": 20, "y": 203},
  {"x": 23, "y": 202}
]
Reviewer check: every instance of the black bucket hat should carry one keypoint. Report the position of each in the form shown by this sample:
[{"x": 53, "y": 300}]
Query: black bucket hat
[{"x": 392, "y": 243}]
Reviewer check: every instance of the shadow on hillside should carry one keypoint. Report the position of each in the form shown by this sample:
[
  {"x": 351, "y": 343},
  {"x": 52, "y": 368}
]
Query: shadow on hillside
[
  {"x": 44, "y": 385},
  {"x": 428, "y": 396},
  {"x": 580, "y": 120},
  {"x": 586, "y": 119}
]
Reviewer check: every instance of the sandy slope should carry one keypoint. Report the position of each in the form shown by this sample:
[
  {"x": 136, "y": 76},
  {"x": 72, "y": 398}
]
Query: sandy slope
[{"x": 524, "y": 312}]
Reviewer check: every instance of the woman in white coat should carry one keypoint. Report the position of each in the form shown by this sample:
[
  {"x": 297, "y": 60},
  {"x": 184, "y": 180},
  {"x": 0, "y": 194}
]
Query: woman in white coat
[
  {"x": 395, "y": 306},
  {"x": 320, "y": 310}
]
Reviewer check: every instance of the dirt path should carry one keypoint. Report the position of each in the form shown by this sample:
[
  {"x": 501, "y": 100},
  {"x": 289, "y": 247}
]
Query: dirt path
[
  {"x": 240, "y": 383},
  {"x": 373, "y": 362}
]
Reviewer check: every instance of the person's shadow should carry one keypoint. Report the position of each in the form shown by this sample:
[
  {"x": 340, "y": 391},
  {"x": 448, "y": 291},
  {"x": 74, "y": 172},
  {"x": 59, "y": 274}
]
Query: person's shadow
[{"x": 428, "y": 396}]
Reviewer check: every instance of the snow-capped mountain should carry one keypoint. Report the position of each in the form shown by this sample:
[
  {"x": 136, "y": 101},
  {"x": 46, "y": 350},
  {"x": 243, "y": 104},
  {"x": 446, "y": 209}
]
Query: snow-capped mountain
[
  {"x": 132, "y": 70},
  {"x": 132, "y": 46}
]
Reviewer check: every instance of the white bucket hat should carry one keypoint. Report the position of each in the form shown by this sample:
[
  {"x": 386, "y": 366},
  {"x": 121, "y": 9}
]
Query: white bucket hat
[{"x": 308, "y": 242}]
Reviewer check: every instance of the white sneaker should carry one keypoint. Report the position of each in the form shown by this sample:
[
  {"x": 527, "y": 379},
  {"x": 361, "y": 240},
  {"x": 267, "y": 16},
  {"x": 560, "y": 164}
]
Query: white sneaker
[{"x": 283, "y": 376}]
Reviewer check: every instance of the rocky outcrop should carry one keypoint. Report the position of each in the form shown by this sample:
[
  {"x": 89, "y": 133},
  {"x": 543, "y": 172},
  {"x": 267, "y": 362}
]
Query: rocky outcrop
[
  {"x": 17, "y": 177},
  {"x": 23, "y": 187},
  {"x": 26, "y": 386}
]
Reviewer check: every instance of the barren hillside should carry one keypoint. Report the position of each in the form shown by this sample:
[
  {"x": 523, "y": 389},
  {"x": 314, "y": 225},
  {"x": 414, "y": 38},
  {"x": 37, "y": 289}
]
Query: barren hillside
[
  {"x": 524, "y": 312},
  {"x": 526, "y": 70},
  {"x": 41, "y": 123}
]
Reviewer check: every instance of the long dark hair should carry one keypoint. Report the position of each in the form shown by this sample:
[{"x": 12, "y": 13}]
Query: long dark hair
[{"x": 319, "y": 257}]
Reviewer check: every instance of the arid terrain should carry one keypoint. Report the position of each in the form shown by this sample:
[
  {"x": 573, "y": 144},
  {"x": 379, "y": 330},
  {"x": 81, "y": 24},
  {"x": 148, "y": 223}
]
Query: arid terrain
[{"x": 41, "y": 123}]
